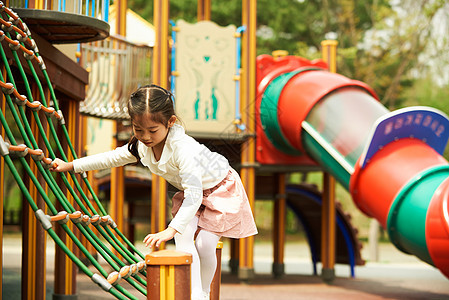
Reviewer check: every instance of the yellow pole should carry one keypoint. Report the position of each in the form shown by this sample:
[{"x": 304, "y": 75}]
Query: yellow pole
[
  {"x": 160, "y": 74},
  {"x": 328, "y": 221},
  {"x": 248, "y": 96}
]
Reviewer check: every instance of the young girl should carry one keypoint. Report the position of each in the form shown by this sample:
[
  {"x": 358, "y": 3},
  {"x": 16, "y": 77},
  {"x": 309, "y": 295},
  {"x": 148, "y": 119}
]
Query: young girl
[{"x": 211, "y": 197}]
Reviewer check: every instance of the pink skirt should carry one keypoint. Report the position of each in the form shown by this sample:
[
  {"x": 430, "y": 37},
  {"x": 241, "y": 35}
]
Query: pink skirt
[{"x": 225, "y": 209}]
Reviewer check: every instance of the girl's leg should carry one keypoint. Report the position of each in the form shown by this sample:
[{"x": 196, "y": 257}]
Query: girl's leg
[
  {"x": 185, "y": 242},
  {"x": 206, "y": 244}
]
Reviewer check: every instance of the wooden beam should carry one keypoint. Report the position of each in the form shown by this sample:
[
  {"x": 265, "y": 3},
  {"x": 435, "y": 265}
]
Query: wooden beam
[{"x": 67, "y": 77}]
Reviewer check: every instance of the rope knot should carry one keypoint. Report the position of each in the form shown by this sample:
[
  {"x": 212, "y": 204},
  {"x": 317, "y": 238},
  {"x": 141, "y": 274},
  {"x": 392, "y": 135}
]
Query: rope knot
[
  {"x": 76, "y": 217},
  {"x": 114, "y": 278},
  {"x": 8, "y": 88},
  {"x": 125, "y": 272}
]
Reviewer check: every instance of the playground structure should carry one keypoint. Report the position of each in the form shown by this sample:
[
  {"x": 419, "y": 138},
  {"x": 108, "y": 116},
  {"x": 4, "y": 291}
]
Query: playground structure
[{"x": 286, "y": 130}]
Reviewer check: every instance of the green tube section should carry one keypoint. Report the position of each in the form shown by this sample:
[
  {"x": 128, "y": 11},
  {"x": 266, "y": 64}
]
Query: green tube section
[
  {"x": 269, "y": 113},
  {"x": 407, "y": 217},
  {"x": 335, "y": 130}
]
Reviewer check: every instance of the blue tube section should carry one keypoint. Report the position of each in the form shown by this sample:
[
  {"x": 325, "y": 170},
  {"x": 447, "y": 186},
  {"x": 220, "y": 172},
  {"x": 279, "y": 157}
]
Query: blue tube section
[{"x": 340, "y": 224}]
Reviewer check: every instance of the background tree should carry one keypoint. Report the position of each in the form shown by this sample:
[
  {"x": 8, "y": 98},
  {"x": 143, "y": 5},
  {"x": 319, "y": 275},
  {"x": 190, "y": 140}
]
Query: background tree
[{"x": 389, "y": 44}]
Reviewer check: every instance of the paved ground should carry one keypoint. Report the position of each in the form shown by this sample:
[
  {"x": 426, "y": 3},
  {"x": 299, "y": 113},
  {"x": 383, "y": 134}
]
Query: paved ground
[{"x": 394, "y": 276}]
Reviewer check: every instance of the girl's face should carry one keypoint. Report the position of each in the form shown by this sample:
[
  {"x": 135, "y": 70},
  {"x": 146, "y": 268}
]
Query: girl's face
[{"x": 149, "y": 132}]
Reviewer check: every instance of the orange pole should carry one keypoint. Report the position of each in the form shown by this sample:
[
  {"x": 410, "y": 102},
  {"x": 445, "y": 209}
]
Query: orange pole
[
  {"x": 203, "y": 10},
  {"x": 121, "y": 17},
  {"x": 248, "y": 153},
  {"x": 328, "y": 213},
  {"x": 328, "y": 228},
  {"x": 160, "y": 74},
  {"x": 117, "y": 181},
  {"x": 279, "y": 226}
]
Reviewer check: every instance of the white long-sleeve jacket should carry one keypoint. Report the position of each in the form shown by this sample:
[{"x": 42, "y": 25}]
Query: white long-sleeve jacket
[{"x": 184, "y": 163}]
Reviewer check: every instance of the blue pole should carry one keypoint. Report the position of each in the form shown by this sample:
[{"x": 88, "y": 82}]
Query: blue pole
[
  {"x": 173, "y": 60},
  {"x": 106, "y": 10},
  {"x": 92, "y": 9},
  {"x": 238, "y": 116}
]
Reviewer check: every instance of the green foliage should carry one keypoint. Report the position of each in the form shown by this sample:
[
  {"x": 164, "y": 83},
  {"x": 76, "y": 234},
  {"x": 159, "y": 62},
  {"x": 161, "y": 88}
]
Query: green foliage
[
  {"x": 299, "y": 26},
  {"x": 380, "y": 41}
]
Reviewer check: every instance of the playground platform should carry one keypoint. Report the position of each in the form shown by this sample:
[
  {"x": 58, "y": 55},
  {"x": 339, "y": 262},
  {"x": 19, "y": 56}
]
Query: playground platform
[{"x": 394, "y": 276}]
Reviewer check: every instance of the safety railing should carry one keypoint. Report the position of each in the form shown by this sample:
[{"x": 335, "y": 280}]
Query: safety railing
[
  {"x": 93, "y": 8},
  {"x": 117, "y": 68}
]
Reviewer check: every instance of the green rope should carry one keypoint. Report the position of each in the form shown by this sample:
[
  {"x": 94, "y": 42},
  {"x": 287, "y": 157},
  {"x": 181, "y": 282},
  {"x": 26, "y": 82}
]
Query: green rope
[
  {"x": 87, "y": 183},
  {"x": 67, "y": 206},
  {"x": 29, "y": 140},
  {"x": 28, "y": 130},
  {"x": 53, "y": 209},
  {"x": 50, "y": 231},
  {"x": 117, "y": 245}
]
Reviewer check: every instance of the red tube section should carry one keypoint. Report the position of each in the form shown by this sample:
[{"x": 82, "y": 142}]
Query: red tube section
[{"x": 391, "y": 162}]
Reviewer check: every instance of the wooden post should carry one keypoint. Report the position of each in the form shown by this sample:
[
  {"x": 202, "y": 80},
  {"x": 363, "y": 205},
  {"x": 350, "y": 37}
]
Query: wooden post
[
  {"x": 2, "y": 186},
  {"x": 279, "y": 227},
  {"x": 168, "y": 275},
  {"x": 234, "y": 257},
  {"x": 216, "y": 282},
  {"x": 65, "y": 269},
  {"x": 34, "y": 236}
]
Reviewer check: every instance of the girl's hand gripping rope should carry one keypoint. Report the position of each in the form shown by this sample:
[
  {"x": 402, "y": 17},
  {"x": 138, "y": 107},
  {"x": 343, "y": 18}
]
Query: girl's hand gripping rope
[
  {"x": 58, "y": 165},
  {"x": 156, "y": 239}
]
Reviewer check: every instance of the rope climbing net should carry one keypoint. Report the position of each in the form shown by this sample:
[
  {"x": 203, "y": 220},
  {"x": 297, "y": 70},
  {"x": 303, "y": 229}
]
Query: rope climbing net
[{"x": 17, "y": 37}]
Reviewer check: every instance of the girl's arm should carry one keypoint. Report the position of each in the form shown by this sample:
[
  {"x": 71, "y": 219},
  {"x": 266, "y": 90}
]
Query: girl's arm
[
  {"x": 115, "y": 158},
  {"x": 106, "y": 160},
  {"x": 190, "y": 172},
  {"x": 61, "y": 166}
]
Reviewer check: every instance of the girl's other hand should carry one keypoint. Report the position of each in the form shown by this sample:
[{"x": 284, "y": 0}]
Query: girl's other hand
[
  {"x": 59, "y": 165},
  {"x": 156, "y": 239}
]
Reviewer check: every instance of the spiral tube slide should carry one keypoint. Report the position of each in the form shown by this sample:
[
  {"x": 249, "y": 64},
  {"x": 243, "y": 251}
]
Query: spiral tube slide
[{"x": 391, "y": 162}]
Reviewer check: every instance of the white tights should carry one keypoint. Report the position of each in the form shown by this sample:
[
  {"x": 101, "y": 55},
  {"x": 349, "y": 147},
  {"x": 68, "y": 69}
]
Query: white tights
[{"x": 204, "y": 260}]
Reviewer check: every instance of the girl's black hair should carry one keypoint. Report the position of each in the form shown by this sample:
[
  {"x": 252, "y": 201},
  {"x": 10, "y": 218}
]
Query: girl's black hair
[{"x": 151, "y": 99}]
